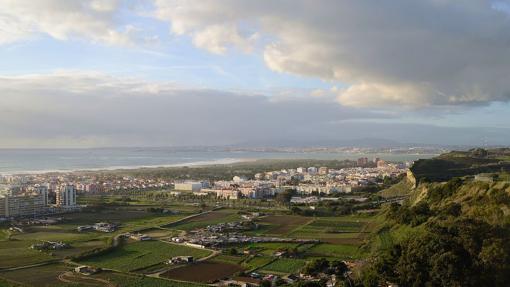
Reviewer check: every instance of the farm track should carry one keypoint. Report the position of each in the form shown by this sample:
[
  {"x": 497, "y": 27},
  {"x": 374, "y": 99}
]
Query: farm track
[{"x": 64, "y": 277}]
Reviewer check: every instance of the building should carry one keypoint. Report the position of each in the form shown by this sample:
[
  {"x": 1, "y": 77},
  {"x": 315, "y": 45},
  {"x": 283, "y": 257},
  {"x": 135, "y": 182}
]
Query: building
[
  {"x": 43, "y": 191},
  {"x": 66, "y": 196},
  {"x": 362, "y": 161},
  {"x": 238, "y": 179},
  {"x": 188, "y": 186},
  {"x": 323, "y": 170},
  {"x": 22, "y": 205},
  {"x": 227, "y": 193},
  {"x": 312, "y": 170}
]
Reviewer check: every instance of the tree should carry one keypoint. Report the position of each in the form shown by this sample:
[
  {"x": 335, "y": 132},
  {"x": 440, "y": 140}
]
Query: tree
[{"x": 285, "y": 196}]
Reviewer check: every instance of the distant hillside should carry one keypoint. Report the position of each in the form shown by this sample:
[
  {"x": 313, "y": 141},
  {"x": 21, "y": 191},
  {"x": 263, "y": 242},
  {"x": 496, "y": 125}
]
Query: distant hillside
[{"x": 461, "y": 163}]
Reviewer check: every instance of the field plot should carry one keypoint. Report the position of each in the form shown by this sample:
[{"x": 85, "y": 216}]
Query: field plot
[
  {"x": 270, "y": 248},
  {"x": 37, "y": 276},
  {"x": 159, "y": 233},
  {"x": 79, "y": 242},
  {"x": 283, "y": 224},
  {"x": 229, "y": 259},
  {"x": 284, "y": 265},
  {"x": 334, "y": 250},
  {"x": 127, "y": 280},
  {"x": 18, "y": 253},
  {"x": 257, "y": 262},
  {"x": 335, "y": 230},
  {"x": 203, "y": 272},
  {"x": 129, "y": 217},
  {"x": 203, "y": 220},
  {"x": 140, "y": 255}
]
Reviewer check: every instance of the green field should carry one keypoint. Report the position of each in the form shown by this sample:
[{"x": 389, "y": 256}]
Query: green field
[
  {"x": 335, "y": 250},
  {"x": 257, "y": 262},
  {"x": 284, "y": 265},
  {"x": 139, "y": 255},
  {"x": 18, "y": 253},
  {"x": 211, "y": 218},
  {"x": 126, "y": 280},
  {"x": 37, "y": 276}
]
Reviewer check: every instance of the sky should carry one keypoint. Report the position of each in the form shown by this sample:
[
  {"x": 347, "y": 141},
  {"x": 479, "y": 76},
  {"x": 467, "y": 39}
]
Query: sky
[{"x": 239, "y": 72}]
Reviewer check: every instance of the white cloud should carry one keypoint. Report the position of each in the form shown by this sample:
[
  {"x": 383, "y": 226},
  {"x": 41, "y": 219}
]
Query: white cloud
[
  {"x": 92, "y": 20},
  {"x": 413, "y": 53}
]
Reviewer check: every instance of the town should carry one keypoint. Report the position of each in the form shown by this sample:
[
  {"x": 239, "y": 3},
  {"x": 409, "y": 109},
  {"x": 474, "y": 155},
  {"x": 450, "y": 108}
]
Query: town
[
  {"x": 44, "y": 194},
  {"x": 247, "y": 230}
]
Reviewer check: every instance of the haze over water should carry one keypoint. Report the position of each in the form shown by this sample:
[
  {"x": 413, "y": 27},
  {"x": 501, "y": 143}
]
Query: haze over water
[{"x": 43, "y": 160}]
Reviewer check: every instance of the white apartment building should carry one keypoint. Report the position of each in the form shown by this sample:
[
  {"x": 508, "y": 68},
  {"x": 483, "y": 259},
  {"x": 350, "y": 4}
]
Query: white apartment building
[
  {"x": 22, "y": 205},
  {"x": 188, "y": 186}
]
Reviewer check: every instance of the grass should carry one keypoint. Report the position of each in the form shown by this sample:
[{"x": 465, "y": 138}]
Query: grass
[
  {"x": 18, "y": 253},
  {"x": 229, "y": 259},
  {"x": 257, "y": 262},
  {"x": 340, "y": 251},
  {"x": 269, "y": 248},
  {"x": 211, "y": 218},
  {"x": 336, "y": 230},
  {"x": 139, "y": 255},
  {"x": 284, "y": 265},
  {"x": 126, "y": 280},
  {"x": 37, "y": 276},
  {"x": 4, "y": 234}
]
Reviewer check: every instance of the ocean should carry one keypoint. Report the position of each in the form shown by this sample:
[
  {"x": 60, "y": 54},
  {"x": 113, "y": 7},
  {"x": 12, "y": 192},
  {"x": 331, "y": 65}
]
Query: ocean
[{"x": 45, "y": 160}]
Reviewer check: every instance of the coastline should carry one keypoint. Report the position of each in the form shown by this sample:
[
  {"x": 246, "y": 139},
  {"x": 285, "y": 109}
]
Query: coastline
[
  {"x": 101, "y": 162},
  {"x": 133, "y": 167}
]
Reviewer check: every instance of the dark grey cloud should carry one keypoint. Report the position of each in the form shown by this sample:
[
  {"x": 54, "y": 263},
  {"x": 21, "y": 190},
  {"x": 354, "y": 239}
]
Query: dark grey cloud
[
  {"x": 87, "y": 109},
  {"x": 414, "y": 53}
]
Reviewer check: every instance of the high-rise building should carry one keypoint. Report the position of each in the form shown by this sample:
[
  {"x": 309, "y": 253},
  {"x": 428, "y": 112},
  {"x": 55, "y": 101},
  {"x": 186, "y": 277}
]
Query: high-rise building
[
  {"x": 42, "y": 190},
  {"x": 21, "y": 205},
  {"x": 66, "y": 195}
]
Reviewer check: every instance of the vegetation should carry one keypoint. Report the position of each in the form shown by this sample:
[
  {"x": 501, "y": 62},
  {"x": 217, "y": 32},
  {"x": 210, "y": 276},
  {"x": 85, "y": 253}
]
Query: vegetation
[
  {"x": 458, "y": 164},
  {"x": 227, "y": 171},
  {"x": 138, "y": 255},
  {"x": 452, "y": 233},
  {"x": 285, "y": 265}
]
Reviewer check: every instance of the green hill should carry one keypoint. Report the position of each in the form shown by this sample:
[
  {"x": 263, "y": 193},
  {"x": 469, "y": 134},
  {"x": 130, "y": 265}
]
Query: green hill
[
  {"x": 461, "y": 163},
  {"x": 454, "y": 228}
]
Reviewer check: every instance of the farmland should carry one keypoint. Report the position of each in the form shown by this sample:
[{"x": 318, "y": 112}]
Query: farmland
[
  {"x": 213, "y": 217},
  {"x": 40, "y": 276},
  {"x": 340, "y": 239},
  {"x": 133, "y": 256},
  {"x": 203, "y": 272},
  {"x": 282, "y": 224},
  {"x": 284, "y": 265}
]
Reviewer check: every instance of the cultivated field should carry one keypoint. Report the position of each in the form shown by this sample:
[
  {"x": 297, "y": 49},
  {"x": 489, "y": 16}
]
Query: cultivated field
[
  {"x": 139, "y": 255},
  {"x": 281, "y": 225},
  {"x": 18, "y": 253},
  {"x": 284, "y": 265},
  {"x": 213, "y": 217},
  {"x": 37, "y": 276},
  {"x": 203, "y": 272}
]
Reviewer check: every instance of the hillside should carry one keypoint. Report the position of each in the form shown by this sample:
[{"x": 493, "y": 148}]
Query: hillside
[
  {"x": 461, "y": 163},
  {"x": 452, "y": 232}
]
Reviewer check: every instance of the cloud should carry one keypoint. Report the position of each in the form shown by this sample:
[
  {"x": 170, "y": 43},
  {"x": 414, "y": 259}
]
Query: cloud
[
  {"x": 411, "y": 53},
  {"x": 86, "y": 108},
  {"x": 96, "y": 21}
]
